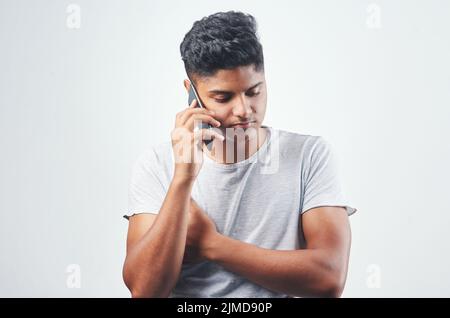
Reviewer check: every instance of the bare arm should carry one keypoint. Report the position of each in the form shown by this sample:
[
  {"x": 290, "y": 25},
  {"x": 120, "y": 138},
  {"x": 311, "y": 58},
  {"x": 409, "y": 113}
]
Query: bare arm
[
  {"x": 156, "y": 245},
  {"x": 318, "y": 271},
  {"x": 153, "y": 262}
]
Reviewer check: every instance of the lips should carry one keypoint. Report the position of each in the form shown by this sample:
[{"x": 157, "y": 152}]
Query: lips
[{"x": 243, "y": 124}]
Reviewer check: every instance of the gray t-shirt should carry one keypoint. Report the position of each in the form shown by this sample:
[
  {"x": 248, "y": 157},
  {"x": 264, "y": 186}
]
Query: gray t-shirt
[{"x": 258, "y": 200}]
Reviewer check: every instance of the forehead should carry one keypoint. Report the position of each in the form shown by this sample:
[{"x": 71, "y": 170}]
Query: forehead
[{"x": 239, "y": 78}]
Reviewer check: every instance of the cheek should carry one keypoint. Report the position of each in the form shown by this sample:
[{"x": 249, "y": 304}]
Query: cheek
[
  {"x": 259, "y": 107},
  {"x": 223, "y": 114}
]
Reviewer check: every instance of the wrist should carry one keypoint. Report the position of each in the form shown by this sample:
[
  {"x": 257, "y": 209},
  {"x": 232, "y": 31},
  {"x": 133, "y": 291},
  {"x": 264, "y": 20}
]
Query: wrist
[
  {"x": 183, "y": 179},
  {"x": 214, "y": 246}
]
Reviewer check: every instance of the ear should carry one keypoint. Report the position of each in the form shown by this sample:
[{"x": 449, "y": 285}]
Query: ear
[{"x": 187, "y": 84}]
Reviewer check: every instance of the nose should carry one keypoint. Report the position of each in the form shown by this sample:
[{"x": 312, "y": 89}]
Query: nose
[{"x": 242, "y": 108}]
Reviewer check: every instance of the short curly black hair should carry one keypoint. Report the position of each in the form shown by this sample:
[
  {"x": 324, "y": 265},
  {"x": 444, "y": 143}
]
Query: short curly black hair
[{"x": 224, "y": 40}]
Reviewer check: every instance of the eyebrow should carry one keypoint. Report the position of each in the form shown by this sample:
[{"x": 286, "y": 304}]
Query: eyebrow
[{"x": 218, "y": 91}]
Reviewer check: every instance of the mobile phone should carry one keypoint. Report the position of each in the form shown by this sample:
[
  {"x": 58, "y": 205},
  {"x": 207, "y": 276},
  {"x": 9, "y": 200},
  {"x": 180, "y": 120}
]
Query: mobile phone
[{"x": 194, "y": 95}]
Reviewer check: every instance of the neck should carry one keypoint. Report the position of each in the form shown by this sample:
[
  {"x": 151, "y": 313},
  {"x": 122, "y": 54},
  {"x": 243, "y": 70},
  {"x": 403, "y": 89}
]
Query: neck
[{"x": 236, "y": 147}]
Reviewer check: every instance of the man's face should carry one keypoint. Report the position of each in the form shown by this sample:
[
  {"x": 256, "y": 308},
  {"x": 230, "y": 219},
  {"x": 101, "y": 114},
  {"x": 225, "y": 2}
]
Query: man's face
[{"x": 236, "y": 96}]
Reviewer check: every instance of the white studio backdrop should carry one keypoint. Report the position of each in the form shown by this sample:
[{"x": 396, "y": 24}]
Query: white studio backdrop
[{"x": 86, "y": 86}]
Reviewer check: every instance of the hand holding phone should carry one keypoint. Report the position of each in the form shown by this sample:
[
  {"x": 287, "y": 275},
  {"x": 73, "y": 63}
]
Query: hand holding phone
[
  {"x": 187, "y": 140},
  {"x": 194, "y": 95}
]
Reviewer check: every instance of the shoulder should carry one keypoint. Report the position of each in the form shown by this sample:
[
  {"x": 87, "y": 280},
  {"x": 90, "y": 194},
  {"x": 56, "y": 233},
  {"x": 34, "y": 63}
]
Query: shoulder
[
  {"x": 303, "y": 144},
  {"x": 156, "y": 155}
]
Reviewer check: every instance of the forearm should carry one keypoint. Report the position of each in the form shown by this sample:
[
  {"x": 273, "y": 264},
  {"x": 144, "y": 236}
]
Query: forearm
[
  {"x": 153, "y": 265},
  {"x": 300, "y": 273}
]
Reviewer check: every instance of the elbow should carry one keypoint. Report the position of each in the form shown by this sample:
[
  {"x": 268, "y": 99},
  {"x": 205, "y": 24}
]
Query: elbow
[
  {"x": 127, "y": 279},
  {"x": 327, "y": 289},
  {"x": 145, "y": 292},
  {"x": 137, "y": 293},
  {"x": 130, "y": 283},
  {"x": 334, "y": 285},
  {"x": 333, "y": 291},
  {"x": 138, "y": 290},
  {"x": 334, "y": 276},
  {"x": 328, "y": 286}
]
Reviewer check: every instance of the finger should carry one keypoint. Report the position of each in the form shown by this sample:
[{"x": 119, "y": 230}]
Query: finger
[
  {"x": 199, "y": 119},
  {"x": 207, "y": 134},
  {"x": 191, "y": 111},
  {"x": 212, "y": 133}
]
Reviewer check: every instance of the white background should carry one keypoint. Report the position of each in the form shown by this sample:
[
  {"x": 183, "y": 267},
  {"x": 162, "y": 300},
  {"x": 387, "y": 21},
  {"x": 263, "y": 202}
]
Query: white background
[{"x": 79, "y": 105}]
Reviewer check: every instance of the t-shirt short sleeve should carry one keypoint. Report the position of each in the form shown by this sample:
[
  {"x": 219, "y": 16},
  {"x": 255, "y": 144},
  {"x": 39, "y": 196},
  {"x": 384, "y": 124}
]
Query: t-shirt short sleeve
[
  {"x": 146, "y": 191},
  {"x": 322, "y": 184}
]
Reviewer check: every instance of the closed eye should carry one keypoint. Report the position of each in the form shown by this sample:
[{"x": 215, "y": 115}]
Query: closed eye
[
  {"x": 225, "y": 99},
  {"x": 251, "y": 94},
  {"x": 222, "y": 99}
]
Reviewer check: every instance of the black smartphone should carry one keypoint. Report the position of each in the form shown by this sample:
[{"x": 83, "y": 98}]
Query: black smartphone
[{"x": 194, "y": 95}]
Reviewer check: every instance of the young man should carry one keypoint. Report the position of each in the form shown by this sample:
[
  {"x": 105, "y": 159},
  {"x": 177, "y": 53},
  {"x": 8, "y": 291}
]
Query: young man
[{"x": 260, "y": 214}]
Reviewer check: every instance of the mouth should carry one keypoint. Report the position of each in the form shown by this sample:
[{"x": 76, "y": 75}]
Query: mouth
[{"x": 245, "y": 124}]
